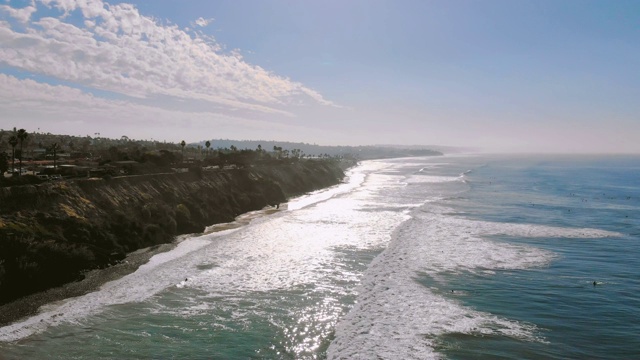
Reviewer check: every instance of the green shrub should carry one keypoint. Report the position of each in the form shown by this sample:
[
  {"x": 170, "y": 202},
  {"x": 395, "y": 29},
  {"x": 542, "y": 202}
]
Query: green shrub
[{"x": 183, "y": 211}]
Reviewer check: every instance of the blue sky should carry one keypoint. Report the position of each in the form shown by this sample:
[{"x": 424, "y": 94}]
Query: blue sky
[{"x": 523, "y": 76}]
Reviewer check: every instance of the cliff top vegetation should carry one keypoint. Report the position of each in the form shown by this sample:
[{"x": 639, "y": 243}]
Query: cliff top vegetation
[{"x": 32, "y": 157}]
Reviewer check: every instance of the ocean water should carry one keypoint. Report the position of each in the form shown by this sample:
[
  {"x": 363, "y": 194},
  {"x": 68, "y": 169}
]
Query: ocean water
[{"x": 454, "y": 257}]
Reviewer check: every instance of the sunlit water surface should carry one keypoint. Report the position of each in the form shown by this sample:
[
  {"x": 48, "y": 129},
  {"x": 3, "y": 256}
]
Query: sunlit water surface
[{"x": 441, "y": 257}]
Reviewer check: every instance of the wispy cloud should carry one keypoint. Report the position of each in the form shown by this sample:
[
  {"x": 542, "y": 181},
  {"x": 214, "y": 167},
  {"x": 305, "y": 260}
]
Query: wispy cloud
[
  {"x": 115, "y": 48},
  {"x": 202, "y": 22},
  {"x": 28, "y": 102}
]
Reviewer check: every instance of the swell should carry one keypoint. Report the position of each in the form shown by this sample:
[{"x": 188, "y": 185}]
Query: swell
[{"x": 404, "y": 305}]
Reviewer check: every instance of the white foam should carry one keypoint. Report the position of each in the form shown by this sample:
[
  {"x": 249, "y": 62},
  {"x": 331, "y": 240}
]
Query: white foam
[
  {"x": 150, "y": 278},
  {"x": 397, "y": 317},
  {"x": 353, "y": 179},
  {"x": 431, "y": 179}
]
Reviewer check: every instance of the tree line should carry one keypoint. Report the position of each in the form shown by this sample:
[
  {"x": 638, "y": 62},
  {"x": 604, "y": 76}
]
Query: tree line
[{"x": 150, "y": 156}]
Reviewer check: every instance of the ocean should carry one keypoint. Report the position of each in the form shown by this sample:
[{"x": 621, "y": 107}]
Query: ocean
[{"x": 450, "y": 257}]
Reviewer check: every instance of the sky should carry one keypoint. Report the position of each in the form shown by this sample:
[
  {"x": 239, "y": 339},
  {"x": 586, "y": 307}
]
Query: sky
[{"x": 558, "y": 76}]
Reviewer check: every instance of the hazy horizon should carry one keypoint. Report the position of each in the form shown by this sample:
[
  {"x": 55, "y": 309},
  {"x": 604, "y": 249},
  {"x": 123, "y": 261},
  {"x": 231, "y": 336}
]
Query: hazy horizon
[{"x": 496, "y": 76}]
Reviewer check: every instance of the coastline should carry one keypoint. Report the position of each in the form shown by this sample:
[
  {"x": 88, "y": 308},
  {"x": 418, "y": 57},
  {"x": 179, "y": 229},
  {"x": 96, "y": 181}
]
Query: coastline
[{"x": 93, "y": 279}]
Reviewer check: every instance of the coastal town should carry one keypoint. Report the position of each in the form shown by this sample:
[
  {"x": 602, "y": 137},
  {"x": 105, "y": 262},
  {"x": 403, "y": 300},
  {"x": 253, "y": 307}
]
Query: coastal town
[
  {"x": 50, "y": 157},
  {"x": 32, "y": 157}
]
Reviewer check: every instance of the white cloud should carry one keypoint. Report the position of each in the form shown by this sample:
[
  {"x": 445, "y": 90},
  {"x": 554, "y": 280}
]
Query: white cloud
[
  {"x": 22, "y": 14},
  {"x": 115, "y": 48},
  {"x": 202, "y": 22}
]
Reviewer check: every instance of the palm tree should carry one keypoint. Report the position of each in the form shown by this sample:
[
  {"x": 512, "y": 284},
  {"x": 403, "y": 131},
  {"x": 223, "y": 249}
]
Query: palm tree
[
  {"x": 55, "y": 147},
  {"x": 207, "y": 144},
  {"x": 182, "y": 143},
  {"x": 22, "y": 136},
  {"x": 277, "y": 150},
  {"x": 13, "y": 141}
]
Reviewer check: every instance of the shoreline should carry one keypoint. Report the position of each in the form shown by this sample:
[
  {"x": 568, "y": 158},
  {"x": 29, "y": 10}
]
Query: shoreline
[
  {"x": 31, "y": 305},
  {"x": 226, "y": 193}
]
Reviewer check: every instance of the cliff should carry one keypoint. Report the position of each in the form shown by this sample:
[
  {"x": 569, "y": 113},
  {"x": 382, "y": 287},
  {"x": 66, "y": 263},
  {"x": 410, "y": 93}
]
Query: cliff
[{"x": 53, "y": 233}]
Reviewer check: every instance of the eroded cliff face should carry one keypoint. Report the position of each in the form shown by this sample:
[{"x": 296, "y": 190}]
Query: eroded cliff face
[{"x": 51, "y": 233}]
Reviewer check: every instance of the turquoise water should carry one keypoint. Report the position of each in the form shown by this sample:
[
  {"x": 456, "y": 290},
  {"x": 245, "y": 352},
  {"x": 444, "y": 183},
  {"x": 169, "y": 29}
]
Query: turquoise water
[
  {"x": 576, "y": 319},
  {"x": 445, "y": 257}
]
